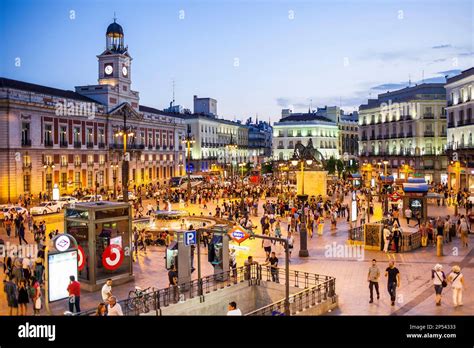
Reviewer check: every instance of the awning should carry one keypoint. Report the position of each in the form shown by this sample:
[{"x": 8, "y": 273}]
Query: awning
[
  {"x": 355, "y": 176},
  {"x": 415, "y": 187}
]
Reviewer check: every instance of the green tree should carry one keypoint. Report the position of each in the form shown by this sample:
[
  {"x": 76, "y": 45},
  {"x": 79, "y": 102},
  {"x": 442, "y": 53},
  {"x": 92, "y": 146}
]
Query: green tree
[
  {"x": 331, "y": 165},
  {"x": 339, "y": 167},
  {"x": 267, "y": 167}
]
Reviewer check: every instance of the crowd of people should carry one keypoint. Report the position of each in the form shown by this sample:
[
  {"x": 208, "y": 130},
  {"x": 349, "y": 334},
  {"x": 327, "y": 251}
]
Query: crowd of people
[{"x": 284, "y": 217}]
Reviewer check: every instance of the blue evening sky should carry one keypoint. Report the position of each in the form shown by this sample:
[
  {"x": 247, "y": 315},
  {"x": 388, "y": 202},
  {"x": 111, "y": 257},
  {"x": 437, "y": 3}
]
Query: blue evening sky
[{"x": 254, "y": 57}]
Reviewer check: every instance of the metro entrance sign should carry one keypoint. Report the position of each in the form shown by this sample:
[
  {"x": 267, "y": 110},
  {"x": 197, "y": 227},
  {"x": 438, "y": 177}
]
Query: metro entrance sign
[{"x": 238, "y": 235}]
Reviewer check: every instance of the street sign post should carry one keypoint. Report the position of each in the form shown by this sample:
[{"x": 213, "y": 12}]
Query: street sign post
[{"x": 190, "y": 238}]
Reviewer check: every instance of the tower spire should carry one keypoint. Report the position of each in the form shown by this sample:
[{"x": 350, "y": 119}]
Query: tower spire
[{"x": 115, "y": 17}]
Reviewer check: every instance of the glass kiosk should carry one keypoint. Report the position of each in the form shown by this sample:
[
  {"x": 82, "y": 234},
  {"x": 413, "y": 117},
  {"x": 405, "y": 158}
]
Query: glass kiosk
[{"x": 103, "y": 233}]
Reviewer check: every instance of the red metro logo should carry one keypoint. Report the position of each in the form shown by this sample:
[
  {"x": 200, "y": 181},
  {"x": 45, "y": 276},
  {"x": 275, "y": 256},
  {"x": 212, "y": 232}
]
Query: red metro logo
[
  {"x": 112, "y": 257},
  {"x": 238, "y": 235}
]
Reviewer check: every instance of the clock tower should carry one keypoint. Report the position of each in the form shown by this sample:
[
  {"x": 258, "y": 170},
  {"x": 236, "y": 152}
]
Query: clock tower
[{"x": 114, "y": 72}]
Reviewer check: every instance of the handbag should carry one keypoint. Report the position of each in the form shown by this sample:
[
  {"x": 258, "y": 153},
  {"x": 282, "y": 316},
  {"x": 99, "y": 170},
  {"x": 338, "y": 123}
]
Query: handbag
[{"x": 444, "y": 283}]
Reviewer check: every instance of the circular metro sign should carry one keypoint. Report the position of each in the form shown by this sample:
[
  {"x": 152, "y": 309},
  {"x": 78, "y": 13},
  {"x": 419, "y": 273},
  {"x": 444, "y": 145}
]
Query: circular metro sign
[
  {"x": 238, "y": 235},
  {"x": 112, "y": 257},
  {"x": 81, "y": 258},
  {"x": 62, "y": 243}
]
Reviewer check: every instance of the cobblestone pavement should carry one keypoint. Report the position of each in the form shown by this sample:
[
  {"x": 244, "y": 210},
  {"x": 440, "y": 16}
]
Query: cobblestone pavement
[{"x": 414, "y": 297}]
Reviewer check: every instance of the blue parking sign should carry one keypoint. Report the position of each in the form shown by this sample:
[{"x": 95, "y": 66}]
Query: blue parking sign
[{"x": 190, "y": 238}]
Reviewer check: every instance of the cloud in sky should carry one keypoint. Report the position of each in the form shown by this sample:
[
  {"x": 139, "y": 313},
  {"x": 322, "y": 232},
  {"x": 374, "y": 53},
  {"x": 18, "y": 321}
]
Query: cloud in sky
[
  {"x": 450, "y": 72},
  {"x": 441, "y": 46}
]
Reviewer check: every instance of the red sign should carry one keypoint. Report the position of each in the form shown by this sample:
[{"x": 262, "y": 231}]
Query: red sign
[
  {"x": 112, "y": 257},
  {"x": 81, "y": 258},
  {"x": 238, "y": 235},
  {"x": 395, "y": 197}
]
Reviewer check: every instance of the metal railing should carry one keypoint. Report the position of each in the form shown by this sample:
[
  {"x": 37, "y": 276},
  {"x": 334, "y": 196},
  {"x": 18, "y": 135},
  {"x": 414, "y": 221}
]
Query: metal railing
[
  {"x": 153, "y": 301},
  {"x": 315, "y": 291},
  {"x": 356, "y": 234}
]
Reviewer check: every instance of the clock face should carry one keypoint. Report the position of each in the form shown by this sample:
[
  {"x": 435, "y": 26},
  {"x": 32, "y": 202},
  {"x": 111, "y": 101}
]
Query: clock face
[
  {"x": 124, "y": 71},
  {"x": 108, "y": 70}
]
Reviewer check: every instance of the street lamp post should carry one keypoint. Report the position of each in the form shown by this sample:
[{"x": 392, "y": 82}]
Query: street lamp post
[
  {"x": 114, "y": 177},
  {"x": 188, "y": 141},
  {"x": 49, "y": 183},
  {"x": 125, "y": 132},
  {"x": 303, "y": 198}
]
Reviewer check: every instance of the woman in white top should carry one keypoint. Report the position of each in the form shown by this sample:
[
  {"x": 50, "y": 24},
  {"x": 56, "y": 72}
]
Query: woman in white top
[
  {"x": 456, "y": 279},
  {"x": 438, "y": 277},
  {"x": 386, "y": 239}
]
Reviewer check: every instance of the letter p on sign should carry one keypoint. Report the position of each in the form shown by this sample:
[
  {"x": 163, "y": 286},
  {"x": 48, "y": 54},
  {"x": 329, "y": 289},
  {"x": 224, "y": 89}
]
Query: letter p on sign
[{"x": 190, "y": 238}]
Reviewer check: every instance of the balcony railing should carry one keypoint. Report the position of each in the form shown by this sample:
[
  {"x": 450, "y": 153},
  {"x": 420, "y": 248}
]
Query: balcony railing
[
  {"x": 78, "y": 164},
  {"x": 401, "y": 135},
  {"x": 63, "y": 164},
  {"x": 429, "y": 134},
  {"x": 77, "y": 144},
  {"x": 48, "y": 143},
  {"x": 101, "y": 145},
  {"x": 280, "y": 147},
  {"x": 428, "y": 116},
  {"x": 150, "y": 147},
  {"x": 450, "y": 124},
  {"x": 364, "y": 138},
  {"x": 409, "y": 135},
  {"x": 25, "y": 142},
  {"x": 90, "y": 145},
  {"x": 27, "y": 165},
  {"x": 63, "y": 144}
]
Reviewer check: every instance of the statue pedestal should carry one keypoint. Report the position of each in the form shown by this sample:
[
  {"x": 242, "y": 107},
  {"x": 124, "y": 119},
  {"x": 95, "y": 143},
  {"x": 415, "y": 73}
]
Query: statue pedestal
[{"x": 315, "y": 183}]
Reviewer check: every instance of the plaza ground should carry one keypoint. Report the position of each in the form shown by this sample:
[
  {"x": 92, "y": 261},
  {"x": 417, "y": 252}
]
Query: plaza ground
[{"x": 414, "y": 297}]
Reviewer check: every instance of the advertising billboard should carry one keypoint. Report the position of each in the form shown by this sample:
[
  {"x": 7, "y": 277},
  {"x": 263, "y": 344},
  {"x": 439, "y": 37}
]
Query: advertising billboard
[{"x": 61, "y": 267}]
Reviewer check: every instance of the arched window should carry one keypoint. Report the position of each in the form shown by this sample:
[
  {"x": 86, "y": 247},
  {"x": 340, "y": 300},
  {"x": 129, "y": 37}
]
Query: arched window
[{"x": 462, "y": 139}]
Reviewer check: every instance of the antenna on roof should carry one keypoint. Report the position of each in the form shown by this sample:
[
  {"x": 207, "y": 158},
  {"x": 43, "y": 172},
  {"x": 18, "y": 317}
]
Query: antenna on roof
[
  {"x": 409, "y": 80},
  {"x": 256, "y": 118},
  {"x": 310, "y": 106},
  {"x": 173, "y": 91}
]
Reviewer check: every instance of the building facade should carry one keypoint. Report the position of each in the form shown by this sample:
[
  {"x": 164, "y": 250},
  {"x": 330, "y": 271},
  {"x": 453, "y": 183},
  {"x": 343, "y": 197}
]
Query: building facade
[
  {"x": 56, "y": 138},
  {"x": 260, "y": 141},
  {"x": 460, "y": 122},
  {"x": 349, "y": 134},
  {"x": 319, "y": 126},
  {"x": 218, "y": 143},
  {"x": 406, "y": 127}
]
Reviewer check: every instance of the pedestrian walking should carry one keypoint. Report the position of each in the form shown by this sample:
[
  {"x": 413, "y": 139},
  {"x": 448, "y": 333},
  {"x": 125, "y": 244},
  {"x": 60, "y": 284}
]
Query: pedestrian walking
[
  {"x": 393, "y": 281},
  {"x": 408, "y": 215},
  {"x": 74, "y": 291},
  {"x": 373, "y": 279},
  {"x": 114, "y": 308},
  {"x": 106, "y": 291},
  {"x": 11, "y": 291},
  {"x": 232, "y": 309},
  {"x": 463, "y": 230},
  {"x": 23, "y": 297},
  {"x": 456, "y": 279},
  {"x": 439, "y": 282},
  {"x": 386, "y": 238}
]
